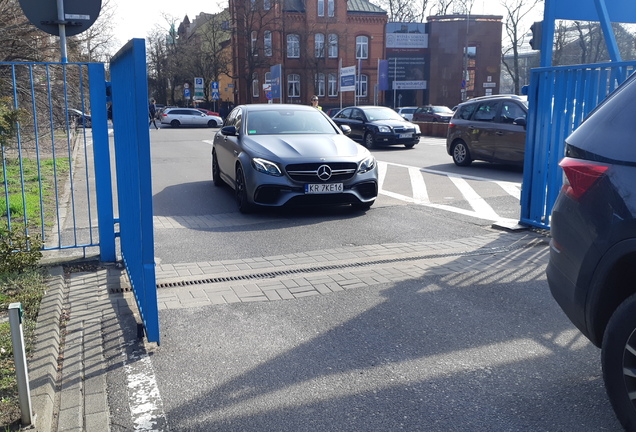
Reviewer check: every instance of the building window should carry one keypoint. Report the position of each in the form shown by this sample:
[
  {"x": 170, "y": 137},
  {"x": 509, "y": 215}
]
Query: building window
[
  {"x": 255, "y": 85},
  {"x": 320, "y": 84},
  {"x": 293, "y": 85},
  {"x": 267, "y": 43},
  {"x": 362, "y": 47},
  {"x": 330, "y": 7},
  {"x": 333, "y": 84},
  {"x": 254, "y": 37},
  {"x": 268, "y": 77},
  {"x": 267, "y": 5},
  {"x": 253, "y": 4},
  {"x": 293, "y": 46},
  {"x": 361, "y": 86},
  {"x": 321, "y": 8},
  {"x": 319, "y": 45},
  {"x": 333, "y": 45}
]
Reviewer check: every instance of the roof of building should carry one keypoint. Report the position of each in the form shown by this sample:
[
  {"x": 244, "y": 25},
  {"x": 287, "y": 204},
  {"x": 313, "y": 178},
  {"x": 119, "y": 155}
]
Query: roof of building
[{"x": 364, "y": 6}]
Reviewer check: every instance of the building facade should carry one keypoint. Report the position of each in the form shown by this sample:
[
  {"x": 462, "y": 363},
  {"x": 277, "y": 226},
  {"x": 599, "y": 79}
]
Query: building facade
[{"x": 311, "y": 40}]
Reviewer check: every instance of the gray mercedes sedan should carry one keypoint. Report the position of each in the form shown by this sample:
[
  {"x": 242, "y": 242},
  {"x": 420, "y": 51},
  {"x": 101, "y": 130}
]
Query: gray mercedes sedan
[{"x": 277, "y": 154}]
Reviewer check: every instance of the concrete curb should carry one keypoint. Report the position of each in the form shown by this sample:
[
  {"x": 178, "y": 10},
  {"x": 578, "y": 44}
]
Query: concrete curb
[{"x": 43, "y": 366}]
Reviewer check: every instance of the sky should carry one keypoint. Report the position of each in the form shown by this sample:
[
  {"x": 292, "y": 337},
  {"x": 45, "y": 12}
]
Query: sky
[{"x": 136, "y": 18}]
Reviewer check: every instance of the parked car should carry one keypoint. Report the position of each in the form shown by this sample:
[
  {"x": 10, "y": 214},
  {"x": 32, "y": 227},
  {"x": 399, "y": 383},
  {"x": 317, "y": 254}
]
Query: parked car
[
  {"x": 278, "y": 154},
  {"x": 176, "y": 117},
  {"x": 433, "y": 113},
  {"x": 592, "y": 265},
  {"x": 332, "y": 112},
  {"x": 208, "y": 112},
  {"x": 488, "y": 128},
  {"x": 406, "y": 112},
  {"x": 377, "y": 125},
  {"x": 79, "y": 118}
]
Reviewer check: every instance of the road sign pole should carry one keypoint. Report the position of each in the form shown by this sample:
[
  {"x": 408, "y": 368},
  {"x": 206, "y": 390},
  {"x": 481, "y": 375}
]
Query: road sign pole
[{"x": 62, "y": 27}]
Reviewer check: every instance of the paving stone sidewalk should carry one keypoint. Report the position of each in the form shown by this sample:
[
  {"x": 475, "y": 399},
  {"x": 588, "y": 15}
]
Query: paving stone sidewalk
[{"x": 90, "y": 305}]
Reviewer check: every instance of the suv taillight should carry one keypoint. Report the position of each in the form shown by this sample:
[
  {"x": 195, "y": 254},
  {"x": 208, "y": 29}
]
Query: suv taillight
[{"x": 580, "y": 176}]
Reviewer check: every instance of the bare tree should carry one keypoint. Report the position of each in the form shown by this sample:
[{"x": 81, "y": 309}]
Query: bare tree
[
  {"x": 516, "y": 12},
  {"x": 97, "y": 43},
  {"x": 250, "y": 21},
  {"x": 442, "y": 7},
  {"x": 405, "y": 10},
  {"x": 19, "y": 39}
]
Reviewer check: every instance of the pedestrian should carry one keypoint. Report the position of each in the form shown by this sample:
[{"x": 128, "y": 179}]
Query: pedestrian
[
  {"x": 314, "y": 102},
  {"x": 152, "y": 113}
]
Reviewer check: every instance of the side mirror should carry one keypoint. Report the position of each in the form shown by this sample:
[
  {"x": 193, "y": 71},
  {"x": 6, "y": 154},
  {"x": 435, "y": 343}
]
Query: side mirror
[
  {"x": 229, "y": 130},
  {"x": 345, "y": 129},
  {"x": 521, "y": 121}
]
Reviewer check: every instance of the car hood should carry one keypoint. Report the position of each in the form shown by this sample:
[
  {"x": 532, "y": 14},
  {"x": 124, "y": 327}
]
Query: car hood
[
  {"x": 392, "y": 123},
  {"x": 286, "y": 147}
]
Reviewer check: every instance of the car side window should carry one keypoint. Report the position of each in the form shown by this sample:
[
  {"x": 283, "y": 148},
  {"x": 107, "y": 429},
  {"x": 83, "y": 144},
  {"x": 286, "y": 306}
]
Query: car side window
[
  {"x": 345, "y": 113},
  {"x": 466, "y": 112},
  {"x": 510, "y": 111},
  {"x": 486, "y": 112},
  {"x": 357, "y": 115}
]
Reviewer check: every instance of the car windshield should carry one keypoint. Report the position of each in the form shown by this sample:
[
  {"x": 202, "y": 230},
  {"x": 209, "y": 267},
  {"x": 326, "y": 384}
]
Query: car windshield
[
  {"x": 288, "y": 121},
  {"x": 442, "y": 110},
  {"x": 408, "y": 110},
  {"x": 382, "y": 113}
]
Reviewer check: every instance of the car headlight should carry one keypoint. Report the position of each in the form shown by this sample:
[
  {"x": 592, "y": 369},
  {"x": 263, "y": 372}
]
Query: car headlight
[
  {"x": 384, "y": 129},
  {"x": 366, "y": 165},
  {"x": 266, "y": 167}
]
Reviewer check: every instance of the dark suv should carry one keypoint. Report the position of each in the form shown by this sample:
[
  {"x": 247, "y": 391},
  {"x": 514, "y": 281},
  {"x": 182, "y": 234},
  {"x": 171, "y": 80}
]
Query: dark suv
[
  {"x": 489, "y": 128},
  {"x": 592, "y": 266}
]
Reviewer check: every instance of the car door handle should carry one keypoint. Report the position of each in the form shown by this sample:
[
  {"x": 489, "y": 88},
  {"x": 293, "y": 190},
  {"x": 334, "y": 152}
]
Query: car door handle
[
  {"x": 499, "y": 133},
  {"x": 236, "y": 153}
]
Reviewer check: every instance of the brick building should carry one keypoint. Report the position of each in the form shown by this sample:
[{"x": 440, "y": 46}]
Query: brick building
[{"x": 310, "y": 39}]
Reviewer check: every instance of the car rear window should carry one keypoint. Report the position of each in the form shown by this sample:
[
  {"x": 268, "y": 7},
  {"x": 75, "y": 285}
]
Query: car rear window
[{"x": 609, "y": 132}]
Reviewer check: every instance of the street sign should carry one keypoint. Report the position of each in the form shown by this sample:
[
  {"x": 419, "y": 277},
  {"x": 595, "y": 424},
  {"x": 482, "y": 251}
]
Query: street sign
[
  {"x": 79, "y": 15},
  {"x": 198, "y": 88},
  {"x": 186, "y": 93},
  {"x": 214, "y": 90}
]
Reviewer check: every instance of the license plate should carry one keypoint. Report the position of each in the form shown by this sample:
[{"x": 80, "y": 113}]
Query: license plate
[
  {"x": 407, "y": 135},
  {"x": 323, "y": 188}
]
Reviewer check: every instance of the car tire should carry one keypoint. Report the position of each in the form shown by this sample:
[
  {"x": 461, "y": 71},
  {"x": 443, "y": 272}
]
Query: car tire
[
  {"x": 175, "y": 123},
  {"x": 369, "y": 141},
  {"x": 461, "y": 154},
  {"x": 242, "y": 201},
  {"x": 216, "y": 171},
  {"x": 409, "y": 146},
  {"x": 212, "y": 123},
  {"x": 618, "y": 358}
]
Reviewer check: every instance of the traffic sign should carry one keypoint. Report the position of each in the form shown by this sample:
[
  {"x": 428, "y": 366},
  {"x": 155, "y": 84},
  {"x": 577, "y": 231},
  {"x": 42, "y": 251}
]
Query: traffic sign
[
  {"x": 186, "y": 93},
  {"x": 214, "y": 90}
]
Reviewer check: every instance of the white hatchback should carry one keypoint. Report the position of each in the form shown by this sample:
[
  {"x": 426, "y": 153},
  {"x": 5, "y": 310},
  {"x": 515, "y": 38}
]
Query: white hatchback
[
  {"x": 176, "y": 117},
  {"x": 406, "y": 112}
]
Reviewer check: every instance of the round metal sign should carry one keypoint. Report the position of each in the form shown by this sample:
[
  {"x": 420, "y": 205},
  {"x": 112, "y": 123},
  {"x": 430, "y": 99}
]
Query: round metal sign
[{"x": 79, "y": 15}]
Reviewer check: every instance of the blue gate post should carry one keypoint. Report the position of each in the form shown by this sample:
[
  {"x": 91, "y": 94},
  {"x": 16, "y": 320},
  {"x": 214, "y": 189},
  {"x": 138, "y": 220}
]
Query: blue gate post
[
  {"x": 101, "y": 161},
  {"x": 129, "y": 80}
]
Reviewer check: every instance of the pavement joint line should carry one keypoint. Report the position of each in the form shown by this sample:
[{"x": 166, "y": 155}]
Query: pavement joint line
[{"x": 276, "y": 272}]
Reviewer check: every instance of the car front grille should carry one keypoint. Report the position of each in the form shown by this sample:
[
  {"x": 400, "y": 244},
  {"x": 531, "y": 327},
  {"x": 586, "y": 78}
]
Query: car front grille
[
  {"x": 308, "y": 172},
  {"x": 401, "y": 130}
]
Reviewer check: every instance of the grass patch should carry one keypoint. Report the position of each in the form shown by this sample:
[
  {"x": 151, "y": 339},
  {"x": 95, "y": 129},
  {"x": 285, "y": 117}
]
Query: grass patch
[
  {"x": 39, "y": 190},
  {"x": 26, "y": 288}
]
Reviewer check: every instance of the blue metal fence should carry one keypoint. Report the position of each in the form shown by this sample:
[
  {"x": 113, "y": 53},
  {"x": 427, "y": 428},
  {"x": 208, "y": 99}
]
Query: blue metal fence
[
  {"x": 559, "y": 99},
  {"x": 134, "y": 187},
  {"x": 50, "y": 185}
]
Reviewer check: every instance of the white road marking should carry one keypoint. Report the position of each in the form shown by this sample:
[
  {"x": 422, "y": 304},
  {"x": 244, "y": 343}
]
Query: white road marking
[
  {"x": 480, "y": 208},
  {"x": 146, "y": 406}
]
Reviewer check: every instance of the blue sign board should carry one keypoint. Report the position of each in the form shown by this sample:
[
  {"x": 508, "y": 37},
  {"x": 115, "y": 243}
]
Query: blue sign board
[{"x": 276, "y": 72}]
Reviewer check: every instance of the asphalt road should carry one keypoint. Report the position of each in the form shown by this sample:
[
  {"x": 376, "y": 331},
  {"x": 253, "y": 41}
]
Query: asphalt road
[{"x": 451, "y": 348}]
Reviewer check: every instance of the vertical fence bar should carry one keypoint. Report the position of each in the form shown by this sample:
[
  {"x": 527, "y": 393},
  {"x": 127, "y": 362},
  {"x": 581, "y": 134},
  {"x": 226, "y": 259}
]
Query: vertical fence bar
[{"x": 101, "y": 162}]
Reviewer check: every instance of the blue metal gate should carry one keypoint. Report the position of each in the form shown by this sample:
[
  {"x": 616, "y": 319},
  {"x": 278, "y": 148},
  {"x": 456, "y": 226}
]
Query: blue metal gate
[
  {"x": 63, "y": 153},
  {"x": 129, "y": 80},
  {"x": 559, "y": 99}
]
